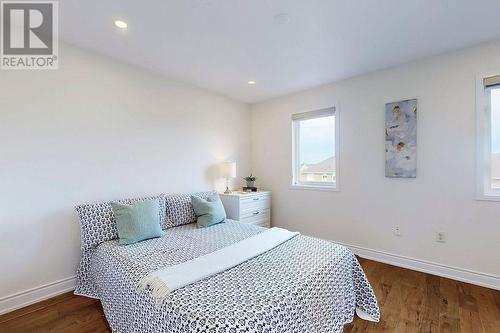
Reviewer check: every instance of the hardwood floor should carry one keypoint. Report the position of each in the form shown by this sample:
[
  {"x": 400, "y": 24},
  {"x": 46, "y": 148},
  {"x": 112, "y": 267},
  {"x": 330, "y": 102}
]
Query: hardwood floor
[{"x": 409, "y": 301}]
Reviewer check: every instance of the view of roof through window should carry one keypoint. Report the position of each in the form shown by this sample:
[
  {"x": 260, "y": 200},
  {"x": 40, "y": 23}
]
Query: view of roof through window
[{"x": 317, "y": 150}]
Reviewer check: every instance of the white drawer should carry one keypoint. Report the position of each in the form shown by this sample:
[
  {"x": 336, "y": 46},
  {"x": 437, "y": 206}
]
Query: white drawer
[
  {"x": 254, "y": 208},
  {"x": 255, "y": 203},
  {"x": 259, "y": 217}
]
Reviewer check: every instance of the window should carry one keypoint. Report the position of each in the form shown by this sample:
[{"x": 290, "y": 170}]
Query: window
[
  {"x": 488, "y": 137},
  {"x": 314, "y": 149}
]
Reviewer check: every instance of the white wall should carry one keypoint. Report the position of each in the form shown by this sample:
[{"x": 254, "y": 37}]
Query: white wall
[
  {"x": 98, "y": 130},
  {"x": 364, "y": 212}
]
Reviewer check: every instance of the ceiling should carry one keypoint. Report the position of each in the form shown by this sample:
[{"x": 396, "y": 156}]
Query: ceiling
[{"x": 222, "y": 44}]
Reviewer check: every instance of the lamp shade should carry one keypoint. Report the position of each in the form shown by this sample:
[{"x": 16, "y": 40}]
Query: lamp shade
[{"x": 228, "y": 170}]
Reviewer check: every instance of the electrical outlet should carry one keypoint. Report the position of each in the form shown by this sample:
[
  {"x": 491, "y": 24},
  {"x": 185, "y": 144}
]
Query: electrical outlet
[
  {"x": 397, "y": 230},
  {"x": 440, "y": 237}
]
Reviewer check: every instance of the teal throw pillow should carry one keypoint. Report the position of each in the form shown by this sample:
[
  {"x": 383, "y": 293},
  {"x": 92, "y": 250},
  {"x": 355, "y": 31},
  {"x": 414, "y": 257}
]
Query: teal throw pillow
[
  {"x": 138, "y": 221},
  {"x": 208, "y": 212}
]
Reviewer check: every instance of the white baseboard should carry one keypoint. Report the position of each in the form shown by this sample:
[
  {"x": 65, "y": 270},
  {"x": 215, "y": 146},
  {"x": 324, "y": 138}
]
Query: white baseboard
[
  {"x": 455, "y": 273},
  {"x": 24, "y": 298}
]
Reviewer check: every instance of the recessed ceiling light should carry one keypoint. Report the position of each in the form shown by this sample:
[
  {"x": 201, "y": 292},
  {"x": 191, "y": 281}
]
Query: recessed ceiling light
[
  {"x": 251, "y": 82},
  {"x": 121, "y": 24},
  {"x": 281, "y": 18}
]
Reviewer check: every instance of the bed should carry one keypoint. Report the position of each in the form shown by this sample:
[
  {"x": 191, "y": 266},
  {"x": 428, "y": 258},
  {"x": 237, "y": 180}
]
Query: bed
[{"x": 303, "y": 285}]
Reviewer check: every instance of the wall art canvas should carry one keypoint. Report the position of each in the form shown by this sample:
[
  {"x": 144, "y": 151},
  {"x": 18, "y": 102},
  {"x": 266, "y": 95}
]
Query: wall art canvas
[{"x": 401, "y": 139}]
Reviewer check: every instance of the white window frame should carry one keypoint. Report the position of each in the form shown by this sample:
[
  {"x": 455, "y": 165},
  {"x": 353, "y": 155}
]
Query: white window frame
[
  {"x": 319, "y": 186},
  {"x": 483, "y": 142}
]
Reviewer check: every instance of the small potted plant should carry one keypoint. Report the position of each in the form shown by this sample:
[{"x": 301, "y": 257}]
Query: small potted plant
[{"x": 250, "y": 180}]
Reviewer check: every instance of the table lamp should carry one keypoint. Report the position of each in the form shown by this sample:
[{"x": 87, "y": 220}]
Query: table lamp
[{"x": 228, "y": 170}]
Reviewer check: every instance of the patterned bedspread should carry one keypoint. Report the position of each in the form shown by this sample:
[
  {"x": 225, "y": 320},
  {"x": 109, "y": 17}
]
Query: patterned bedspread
[{"x": 304, "y": 285}]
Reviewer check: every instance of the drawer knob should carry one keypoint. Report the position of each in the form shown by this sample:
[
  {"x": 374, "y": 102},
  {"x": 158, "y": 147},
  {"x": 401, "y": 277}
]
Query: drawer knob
[
  {"x": 255, "y": 199},
  {"x": 256, "y": 213}
]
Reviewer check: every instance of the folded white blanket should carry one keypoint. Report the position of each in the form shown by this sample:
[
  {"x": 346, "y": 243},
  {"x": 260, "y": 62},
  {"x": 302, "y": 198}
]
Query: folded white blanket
[{"x": 163, "y": 281}]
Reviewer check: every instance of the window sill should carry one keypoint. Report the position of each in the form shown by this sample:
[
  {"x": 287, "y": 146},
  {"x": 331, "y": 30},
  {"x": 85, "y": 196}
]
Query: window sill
[
  {"x": 488, "y": 197},
  {"x": 315, "y": 188}
]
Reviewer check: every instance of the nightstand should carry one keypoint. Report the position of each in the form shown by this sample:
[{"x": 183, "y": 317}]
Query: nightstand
[{"x": 248, "y": 207}]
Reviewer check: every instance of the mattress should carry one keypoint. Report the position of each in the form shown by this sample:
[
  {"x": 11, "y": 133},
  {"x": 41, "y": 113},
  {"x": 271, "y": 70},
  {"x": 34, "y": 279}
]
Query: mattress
[{"x": 303, "y": 285}]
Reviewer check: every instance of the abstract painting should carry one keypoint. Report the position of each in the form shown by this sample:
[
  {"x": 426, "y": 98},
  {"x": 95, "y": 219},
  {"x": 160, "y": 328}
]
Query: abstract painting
[{"x": 401, "y": 139}]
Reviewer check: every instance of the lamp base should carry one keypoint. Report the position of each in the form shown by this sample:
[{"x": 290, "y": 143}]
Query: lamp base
[{"x": 228, "y": 191}]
